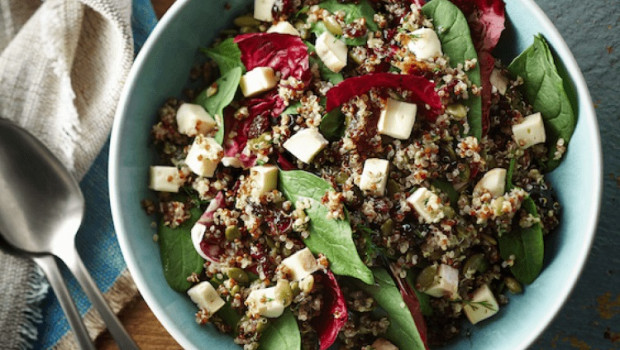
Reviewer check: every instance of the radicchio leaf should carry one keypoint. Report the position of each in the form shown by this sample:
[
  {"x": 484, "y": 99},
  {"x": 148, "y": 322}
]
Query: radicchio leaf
[
  {"x": 208, "y": 249},
  {"x": 334, "y": 314},
  {"x": 233, "y": 146},
  {"x": 413, "y": 304},
  {"x": 423, "y": 90},
  {"x": 486, "y": 22}
]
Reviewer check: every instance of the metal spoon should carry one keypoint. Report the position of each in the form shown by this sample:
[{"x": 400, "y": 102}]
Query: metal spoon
[{"x": 41, "y": 210}]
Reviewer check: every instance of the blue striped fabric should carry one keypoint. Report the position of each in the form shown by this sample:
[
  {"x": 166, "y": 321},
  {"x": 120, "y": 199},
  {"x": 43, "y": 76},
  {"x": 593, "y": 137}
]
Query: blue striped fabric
[{"x": 96, "y": 240}]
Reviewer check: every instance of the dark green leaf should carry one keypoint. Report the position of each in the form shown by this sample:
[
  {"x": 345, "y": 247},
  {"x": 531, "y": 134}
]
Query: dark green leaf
[
  {"x": 282, "y": 333},
  {"x": 402, "y": 330},
  {"x": 230, "y": 316},
  {"x": 423, "y": 298},
  {"x": 326, "y": 73},
  {"x": 178, "y": 256},
  {"x": 226, "y": 88},
  {"x": 527, "y": 246},
  {"x": 453, "y": 31},
  {"x": 447, "y": 188},
  {"x": 227, "y": 56},
  {"x": 292, "y": 109},
  {"x": 332, "y": 125},
  {"x": 544, "y": 89},
  {"x": 353, "y": 11},
  {"x": 331, "y": 237}
]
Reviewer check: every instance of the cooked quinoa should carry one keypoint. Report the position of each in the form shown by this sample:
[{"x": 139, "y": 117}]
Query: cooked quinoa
[{"x": 250, "y": 232}]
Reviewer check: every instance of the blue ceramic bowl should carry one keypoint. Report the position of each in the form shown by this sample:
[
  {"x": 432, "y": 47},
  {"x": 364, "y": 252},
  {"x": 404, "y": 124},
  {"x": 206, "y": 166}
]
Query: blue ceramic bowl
[{"x": 161, "y": 70}]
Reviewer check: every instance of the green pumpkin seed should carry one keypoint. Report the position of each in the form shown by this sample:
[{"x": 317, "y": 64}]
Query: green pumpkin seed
[
  {"x": 426, "y": 278},
  {"x": 387, "y": 228},
  {"x": 238, "y": 275},
  {"x": 513, "y": 285},
  {"x": 232, "y": 233},
  {"x": 246, "y": 21},
  {"x": 332, "y": 25},
  {"x": 476, "y": 263},
  {"x": 393, "y": 187}
]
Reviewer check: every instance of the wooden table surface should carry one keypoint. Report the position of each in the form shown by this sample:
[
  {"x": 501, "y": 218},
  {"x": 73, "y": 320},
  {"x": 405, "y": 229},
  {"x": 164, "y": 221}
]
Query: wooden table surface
[{"x": 137, "y": 317}]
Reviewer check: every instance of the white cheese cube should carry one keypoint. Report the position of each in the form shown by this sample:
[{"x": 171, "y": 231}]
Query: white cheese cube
[
  {"x": 257, "y": 81},
  {"x": 374, "y": 176},
  {"x": 300, "y": 264},
  {"x": 306, "y": 144},
  {"x": 264, "y": 302},
  {"x": 332, "y": 51},
  {"x": 165, "y": 179},
  {"x": 446, "y": 283},
  {"x": 206, "y": 297},
  {"x": 425, "y": 44},
  {"x": 204, "y": 155},
  {"x": 262, "y": 10},
  {"x": 382, "y": 344},
  {"x": 231, "y": 162},
  {"x": 427, "y": 204},
  {"x": 192, "y": 120},
  {"x": 529, "y": 132},
  {"x": 264, "y": 179},
  {"x": 283, "y": 27},
  {"x": 494, "y": 182},
  {"x": 499, "y": 81},
  {"x": 482, "y": 306},
  {"x": 397, "y": 119}
]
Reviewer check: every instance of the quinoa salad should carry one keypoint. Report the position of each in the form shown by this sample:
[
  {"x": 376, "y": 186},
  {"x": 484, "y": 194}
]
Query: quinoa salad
[{"x": 363, "y": 174}]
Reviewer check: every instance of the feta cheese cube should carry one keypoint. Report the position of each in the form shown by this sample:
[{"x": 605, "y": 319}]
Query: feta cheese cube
[
  {"x": 165, "y": 179},
  {"x": 397, "y": 119},
  {"x": 257, "y": 81},
  {"x": 265, "y": 303},
  {"x": 262, "y": 10},
  {"x": 206, "y": 297},
  {"x": 231, "y": 162},
  {"x": 494, "y": 182},
  {"x": 305, "y": 144},
  {"x": 482, "y": 306},
  {"x": 424, "y": 44},
  {"x": 300, "y": 264},
  {"x": 374, "y": 176},
  {"x": 499, "y": 81},
  {"x": 446, "y": 283},
  {"x": 264, "y": 179},
  {"x": 192, "y": 120},
  {"x": 332, "y": 51},
  {"x": 283, "y": 27},
  {"x": 204, "y": 155},
  {"x": 529, "y": 132},
  {"x": 383, "y": 344},
  {"x": 427, "y": 204}
]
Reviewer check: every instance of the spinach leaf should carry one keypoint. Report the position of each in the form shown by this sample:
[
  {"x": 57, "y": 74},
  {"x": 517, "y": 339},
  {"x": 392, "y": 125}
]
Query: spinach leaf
[
  {"x": 178, "y": 256},
  {"x": 282, "y": 333},
  {"x": 226, "y": 88},
  {"x": 447, "y": 188},
  {"x": 227, "y": 313},
  {"x": 332, "y": 125},
  {"x": 402, "y": 330},
  {"x": 453, "y": 31},
  {"x": 334, "y": 238},
  {"x": 527, "y": 246},
  {"x": 227, "y": 56},
  {"x": 353, "y": 11},
  {"x": 292, "y": 109},
  {"x": 544, "y": 89},
  {"x": 325, "y": 72}
]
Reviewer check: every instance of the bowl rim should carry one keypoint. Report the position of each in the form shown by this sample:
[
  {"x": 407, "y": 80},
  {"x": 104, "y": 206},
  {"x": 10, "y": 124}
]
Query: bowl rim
[{"x": 585, "y": 106}]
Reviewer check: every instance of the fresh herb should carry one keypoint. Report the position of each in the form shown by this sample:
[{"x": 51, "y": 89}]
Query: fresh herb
[
  {"x": 325, "y": 72},
  {"x": 282, "y": 333},
  {"x": 402, "y": 330},
  {"x": 352, "y": 11},
  {"x": 447, "y": 188},
  {"x": 509, "y": 174},
  {"x": 526, "y": 245},
  {"x": 178, "y": 256},
  {"x": 226, "y": 89},
  {"x": 476, "y": 304},
  {"x": 227, "y": 56},
  {"x": 333, "y": 125},
  {"x": 331, "y": 237},
  {"x": 544, "y": 89},
  {"x": 453, "y": 31},
  {"x": 371, "y": 250}
]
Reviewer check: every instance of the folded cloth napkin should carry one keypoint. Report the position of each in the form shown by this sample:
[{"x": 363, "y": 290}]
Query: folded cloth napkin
[{"x": 62, "y": 67}]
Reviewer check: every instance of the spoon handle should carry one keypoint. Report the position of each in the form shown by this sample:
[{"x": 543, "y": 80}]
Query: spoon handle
[
  {"x": 118, "y": 332},
  {"x": 51, "y": 270}
]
